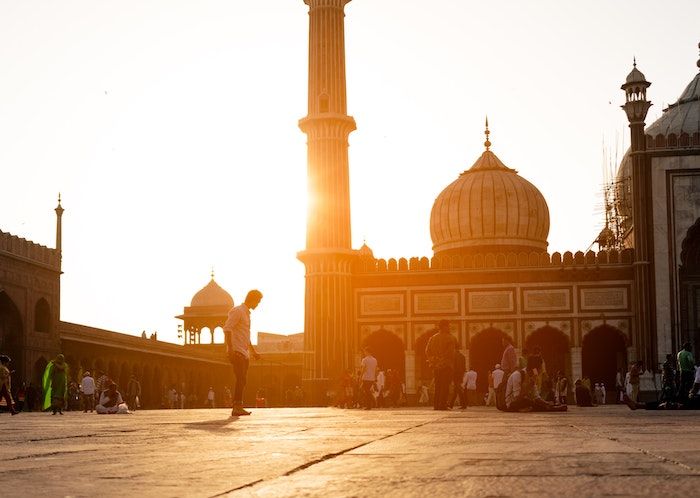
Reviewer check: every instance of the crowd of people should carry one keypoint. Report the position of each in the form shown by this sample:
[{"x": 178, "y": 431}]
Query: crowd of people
[
  {"x": 369, "y": 386},
  {"x": 519, "y": 383}
]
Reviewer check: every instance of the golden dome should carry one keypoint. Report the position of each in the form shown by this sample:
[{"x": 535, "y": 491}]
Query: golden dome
[
  {"x": 212, "y": 294},
  {"x": 489, "y": 208}
]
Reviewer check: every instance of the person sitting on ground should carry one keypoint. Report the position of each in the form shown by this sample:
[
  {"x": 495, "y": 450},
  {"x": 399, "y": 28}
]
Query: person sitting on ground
[
  {"x": 582, "y": 394},
  {"x": 522, "y": 394},
  {"x": 111, "y": 401}
]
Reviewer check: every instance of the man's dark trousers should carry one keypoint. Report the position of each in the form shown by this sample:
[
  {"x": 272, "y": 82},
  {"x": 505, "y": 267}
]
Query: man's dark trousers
[
  {"x": 443, "y": 378},
  {"x": 240, "y": 369}
]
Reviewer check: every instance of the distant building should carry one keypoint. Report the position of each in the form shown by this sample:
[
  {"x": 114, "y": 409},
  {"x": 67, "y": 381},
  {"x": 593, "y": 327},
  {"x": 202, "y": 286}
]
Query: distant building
[
  {"x": 31, "y": 333},
  {"x": 490, "y": 274}
]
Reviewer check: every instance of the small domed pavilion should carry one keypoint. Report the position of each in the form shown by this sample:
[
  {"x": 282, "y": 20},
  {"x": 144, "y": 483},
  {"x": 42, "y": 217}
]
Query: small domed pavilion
[{"x": 207, "y": 310}]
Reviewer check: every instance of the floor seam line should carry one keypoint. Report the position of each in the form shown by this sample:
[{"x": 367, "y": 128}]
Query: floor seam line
[
  {"x": 641, "y": 450},
  {"x": 327, "y": 456}
]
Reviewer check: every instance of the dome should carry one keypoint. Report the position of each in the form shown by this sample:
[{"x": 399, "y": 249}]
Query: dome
[
  {"x": 635, "y": 76},
  {"x": 489, "y": 208},
  {"x": 365, "y": 251},
  {"x": 212, "y": 295},
  {"x": 681, "y": 117}
]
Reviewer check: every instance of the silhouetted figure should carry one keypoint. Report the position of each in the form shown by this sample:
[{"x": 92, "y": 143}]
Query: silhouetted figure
[
  {"x": 6, "y": 383},
  {"x": 239, "y": 348},
  {"x": 440, "y": 352},
  {"x": 686, "y": 367},
  {"x": 583, "y": 394}
]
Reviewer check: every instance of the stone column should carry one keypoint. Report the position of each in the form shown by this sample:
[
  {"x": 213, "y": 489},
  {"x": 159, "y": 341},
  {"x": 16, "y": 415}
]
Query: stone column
[
  {"x": 410, "y": 371},
  {"x": 329, "y": 332},
  {"x": 576, "y": 365}
]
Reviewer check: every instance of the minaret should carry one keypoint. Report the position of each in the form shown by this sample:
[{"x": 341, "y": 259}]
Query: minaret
[
  {"x": 328, "y": 322},
  {"x": 59, "y": 215},
  {"x": 636, "y": 107}
]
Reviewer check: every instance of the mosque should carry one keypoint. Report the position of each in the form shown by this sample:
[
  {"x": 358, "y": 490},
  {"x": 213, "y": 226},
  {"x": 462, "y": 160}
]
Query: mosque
[{"x": 590, "y": 313}]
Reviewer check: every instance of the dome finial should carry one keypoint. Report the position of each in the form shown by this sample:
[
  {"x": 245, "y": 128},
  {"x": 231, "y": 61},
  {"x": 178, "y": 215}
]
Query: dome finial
[
  {"x": 487, "y": 143},
  {"x": 212, "y": 273},
  {"x": 634, "y": 61},
  {"x": 698, "y": 64}
]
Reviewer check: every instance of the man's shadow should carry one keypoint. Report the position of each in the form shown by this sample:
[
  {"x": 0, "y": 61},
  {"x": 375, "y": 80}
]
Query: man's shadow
[{"x": 219, "y": 425}]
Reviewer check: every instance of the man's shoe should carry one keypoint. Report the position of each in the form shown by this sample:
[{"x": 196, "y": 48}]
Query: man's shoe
[{"x": 239, "y": 411}]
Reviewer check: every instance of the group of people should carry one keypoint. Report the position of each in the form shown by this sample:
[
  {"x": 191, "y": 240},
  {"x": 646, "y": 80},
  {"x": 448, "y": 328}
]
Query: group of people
[
  {"x": 680, "y": 384},
  {"x": 369, "y": 386},
  {"x": 515, "y": 384},
  {"x": 100, "y": 395}
]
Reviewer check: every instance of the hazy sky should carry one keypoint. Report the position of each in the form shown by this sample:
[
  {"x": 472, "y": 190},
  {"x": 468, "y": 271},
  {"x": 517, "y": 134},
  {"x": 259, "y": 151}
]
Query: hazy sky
[{"x": 170, "y": 128}]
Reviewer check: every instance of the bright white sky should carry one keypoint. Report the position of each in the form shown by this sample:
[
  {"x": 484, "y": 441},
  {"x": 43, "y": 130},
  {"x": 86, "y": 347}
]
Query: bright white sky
[{"x": 170, "y": 128}]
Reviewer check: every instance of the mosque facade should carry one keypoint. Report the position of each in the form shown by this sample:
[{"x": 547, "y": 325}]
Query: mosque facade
[{"x": 590, "y": 312}]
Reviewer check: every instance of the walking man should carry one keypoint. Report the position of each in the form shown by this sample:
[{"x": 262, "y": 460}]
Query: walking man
[
  {"x": 133, "y": 393},
  {"x": 6, "y": 383},
  {"x": 238, "y": 346},
  {"x": 87, "y": 388},
  {"x": 440, "y": 352},
  {"x": 368, "y": 377},
  {"x": 686, "y": 367}
]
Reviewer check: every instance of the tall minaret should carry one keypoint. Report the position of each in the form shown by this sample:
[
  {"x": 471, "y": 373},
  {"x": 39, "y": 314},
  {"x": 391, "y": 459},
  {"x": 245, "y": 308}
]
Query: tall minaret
[
  {"x": 328, "y": 322},
  {"x": 636, "y": 107},
  {"x": 59, "y": 215}
]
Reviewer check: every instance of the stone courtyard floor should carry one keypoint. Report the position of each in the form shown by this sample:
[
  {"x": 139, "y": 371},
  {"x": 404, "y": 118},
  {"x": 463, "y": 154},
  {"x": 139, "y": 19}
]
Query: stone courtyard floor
[{"x": 331, "y": 452}]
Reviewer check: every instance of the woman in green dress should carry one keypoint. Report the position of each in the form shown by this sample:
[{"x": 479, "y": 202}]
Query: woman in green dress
[{"x": 55, "y": 383}]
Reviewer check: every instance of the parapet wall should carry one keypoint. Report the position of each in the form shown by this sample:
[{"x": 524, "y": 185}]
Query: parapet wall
[
  {"x": 499, "y": 260},
  {"x": 26, "y": 249}
]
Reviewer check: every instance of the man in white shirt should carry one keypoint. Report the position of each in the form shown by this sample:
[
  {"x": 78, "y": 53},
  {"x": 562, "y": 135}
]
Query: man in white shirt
[
  {"x": 368, "y": 376},
  {"x": 381, "y": 382},
  {"x": 470, "y": 387},
  {"x": 210, "y": 397},
  {"x": 111, "y": 401},
  {"x": 87, "y": 390},
  {"x": 495, "y": 379},
  {"x": 238, "y": 346}
]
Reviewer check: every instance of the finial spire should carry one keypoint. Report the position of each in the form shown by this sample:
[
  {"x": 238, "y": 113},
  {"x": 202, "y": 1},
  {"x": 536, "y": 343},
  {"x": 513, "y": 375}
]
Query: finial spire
[
  {"x": 212, "y": 273},
  {"x": 487, "y": 143},
  {"x": 634, "y": 61},
  {"x": 698, "y": 63}
]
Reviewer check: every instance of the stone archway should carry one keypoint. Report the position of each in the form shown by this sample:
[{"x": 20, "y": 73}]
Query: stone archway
[
  {"x": 388, "y": 348},
  {"x": 604, "y": 353},
  {"x": 485, "y": 351},
  {"x": 554, "y": 347},
  {"x": 689, "y": 287},
  {"x": 11, "y": 333}
]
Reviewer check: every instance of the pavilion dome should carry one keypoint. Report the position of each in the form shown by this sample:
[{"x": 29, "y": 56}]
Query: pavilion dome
[
  {"x": 212, "y": 294},
  {"x": 489, "y": 208}
]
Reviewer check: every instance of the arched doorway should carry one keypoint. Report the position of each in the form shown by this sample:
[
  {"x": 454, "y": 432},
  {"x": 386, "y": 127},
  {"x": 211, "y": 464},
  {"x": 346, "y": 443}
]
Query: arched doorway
[
  {"x": 11, "y": 334},
  {"x": 485, "y": 350},
  {"x": 388, "y": 348},
  {"x": 554, "y": 346},
  {"x": 689, "y": 284},
  {"x": 604, "y": 354}
]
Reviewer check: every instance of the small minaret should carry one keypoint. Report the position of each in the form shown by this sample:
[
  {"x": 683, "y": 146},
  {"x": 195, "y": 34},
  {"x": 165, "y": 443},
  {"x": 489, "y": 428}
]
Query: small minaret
[
  {"x": 329, "y": 334},
  {"x": 59, "y": 215},
  {"x": 636, "y": 107}
]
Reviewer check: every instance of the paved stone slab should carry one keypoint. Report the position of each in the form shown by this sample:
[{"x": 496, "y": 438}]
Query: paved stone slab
[{"x": 332, "y": 452}]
